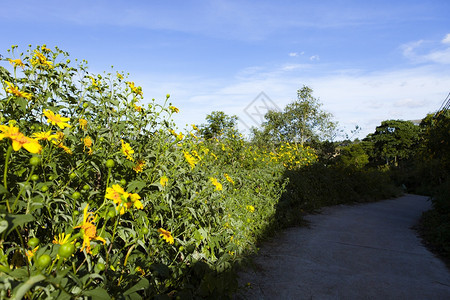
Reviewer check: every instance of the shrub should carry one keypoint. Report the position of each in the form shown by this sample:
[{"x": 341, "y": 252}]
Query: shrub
[{"x": 101, "y": 196}]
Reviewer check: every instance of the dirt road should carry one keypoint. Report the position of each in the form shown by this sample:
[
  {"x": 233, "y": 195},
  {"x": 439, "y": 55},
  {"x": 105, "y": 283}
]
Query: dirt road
[{"x": 366, "y": 251}]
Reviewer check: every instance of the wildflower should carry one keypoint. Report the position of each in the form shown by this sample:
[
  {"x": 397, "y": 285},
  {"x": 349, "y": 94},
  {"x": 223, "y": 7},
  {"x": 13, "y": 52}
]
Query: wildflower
[
  {"x": 135, "y": 200},
  {"x": 250, "y": 208},
  {"x": 16, "y": 62},
  {"x": 216, "y": 183},
  {"x": 137, "y": 108},
  {"x": 89, "y": 230},
  {"x": 115, "y": 193},
  {"x": 194, "y": 127},
  {"x": 166, "y": 235},
  {"x": 56, "y": 119},
  {"x": 136, "y": 90},
  {"x": 62, "y": 146},
  {"x": 19, "y": 140},
  {"x": 40, "y": 59},
  {"x": 127, "y": 150},
  {"x": 61, "y": 239},
  {"x": 174, "y": 109},
  {"x": 179, "y": 136},
  {"x": 47, "y": 136},
  {"x": 139, "y": 167},
  {"x": 163, "y": 181},
  {"x": 95, "y": 82},
  {"x": 45, "y": 49},
  {"x": 118, "y": 195},
  {"x": 119, "y": 76},
  {"x": 140, "y": 270},
  {"x": 195, "y": 154},
  {"x": 15, "y": 91},
  {"x": 87, "y": 144},
  {"x": 83, "y": 123},
  {"x": 228, "y": 178},
  {"x": 30, "y": 253},
  {"x": 190, "y": 159}
]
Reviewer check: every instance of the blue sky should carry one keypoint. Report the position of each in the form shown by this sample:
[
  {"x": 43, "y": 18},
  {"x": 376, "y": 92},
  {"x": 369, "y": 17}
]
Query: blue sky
[{"x": 367, "y": 61}]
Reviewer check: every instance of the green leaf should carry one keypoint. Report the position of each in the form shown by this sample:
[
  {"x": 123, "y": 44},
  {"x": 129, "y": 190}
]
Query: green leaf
[
  {"x": 2, "y": 189},
  {"x": 136, "y": 186},
  {"x": 3, "y": 225},
  {"x": 26, "y": 286},
  {"x": 98, "y": 293},
  {"x": 17, "y": 220},
  {"x": 142, "y": 284}
]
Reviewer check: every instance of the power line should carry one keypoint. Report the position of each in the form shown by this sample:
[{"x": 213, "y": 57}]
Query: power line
[{"x": 444, "y": 106}]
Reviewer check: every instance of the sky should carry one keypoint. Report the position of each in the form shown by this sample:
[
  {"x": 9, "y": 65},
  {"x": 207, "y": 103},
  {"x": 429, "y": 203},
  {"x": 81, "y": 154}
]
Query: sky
[{"x": 366, "y": 61}]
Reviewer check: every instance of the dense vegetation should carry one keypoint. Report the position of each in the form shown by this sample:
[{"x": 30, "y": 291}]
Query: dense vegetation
[{"x": 102, "y": 196}]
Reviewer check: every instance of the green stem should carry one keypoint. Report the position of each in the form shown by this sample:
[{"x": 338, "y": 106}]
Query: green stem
[
  {"x": 23, "y": 188},
  {"x": 5, "y": 173}
]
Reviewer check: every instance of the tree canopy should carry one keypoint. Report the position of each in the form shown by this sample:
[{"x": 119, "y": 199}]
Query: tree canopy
[{"x": 301, "y": 121}]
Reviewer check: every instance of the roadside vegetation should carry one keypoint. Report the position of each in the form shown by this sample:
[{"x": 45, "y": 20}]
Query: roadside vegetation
[{"x": 102, "y": 196}]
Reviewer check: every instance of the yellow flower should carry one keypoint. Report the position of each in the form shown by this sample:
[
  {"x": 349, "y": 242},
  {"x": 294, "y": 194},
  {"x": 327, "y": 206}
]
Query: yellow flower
[
  {"x": 179, "y": 136},
  {"x": 166, "y": 235},
  {"x": 39, "y": 58},
  {"x": 19, "y": 140},
  {"x": 137, "y": 108},
  {"x": 89, "y": 230},
  {"x": 118, "y": 195},
  {"x": 47, "y": 136},
  {"x": 16, "y": 62},
  {"x": 45, "y": 49},
  {"x": 135, "y": 199},
  {"x": 216, "y": 183},
  {"x": 30, "y": 253},
  {"x": 139, "y": 167},
  {"x": 190, "y": 159},
  {"x": 83, "y": 123},
  {"x": 250, "y": 208},
  {"x": 163, "y": 181},
  {"x": 87, "y": 144},
  {"x": 119, "y": 76},
  {"x": 228, "y": 178},
  {"x": 127, "y": 150},
  {"x": 95, "y": 82},
  {"x": 59, "y": 144},
  {"x": 136, "y": 90},
  {"x": 174, "y": 109},
  {"x": 61, "y": 239},
  {"x": 194, "y": 127},
  {"x": 56, "y": 119},
  {"x": 115, "y": 193},
  {"x": 15, "y": 91}
]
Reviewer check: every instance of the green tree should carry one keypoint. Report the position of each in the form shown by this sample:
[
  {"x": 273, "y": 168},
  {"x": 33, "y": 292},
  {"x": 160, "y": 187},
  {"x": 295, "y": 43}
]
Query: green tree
[
  {"x": 393, "y": 141},
  {"x": 353, "y": 155},
  {"x": 219, "y": 125},
  {"x": 301, "y": 121}
]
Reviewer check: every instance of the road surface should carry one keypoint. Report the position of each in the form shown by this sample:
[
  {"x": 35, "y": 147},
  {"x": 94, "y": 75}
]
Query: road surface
[{"x": 364, "y": 251}]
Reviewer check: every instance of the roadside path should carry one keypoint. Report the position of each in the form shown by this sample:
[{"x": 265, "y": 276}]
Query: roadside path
[{"x": 365, "y": 251}]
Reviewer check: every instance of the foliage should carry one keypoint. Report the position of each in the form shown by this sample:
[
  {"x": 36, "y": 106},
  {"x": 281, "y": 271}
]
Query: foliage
[
  {"x": 301, "y": 121},
  {"x": 317, "y": 185},
  {"x": 393, "y": 141},
  {"x": 219, "y": 125},
  {"x": 353, "y": 155},
  {"x": 101, "y": 196}
]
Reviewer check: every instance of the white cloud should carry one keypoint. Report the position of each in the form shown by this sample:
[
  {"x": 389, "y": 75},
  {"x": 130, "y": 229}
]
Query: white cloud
[
  {"x": 354, "y": 97},
  {"x": 314, "y": 58},
  {"x": 428, "y": 51},
  {"x": 293, "y": 54},
  {"x": 446, "y": 39}
]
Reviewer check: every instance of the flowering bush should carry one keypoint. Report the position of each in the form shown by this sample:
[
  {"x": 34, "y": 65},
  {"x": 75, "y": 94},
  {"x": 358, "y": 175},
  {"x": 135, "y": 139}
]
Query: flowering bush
[{"x": 100, "y": 196}]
